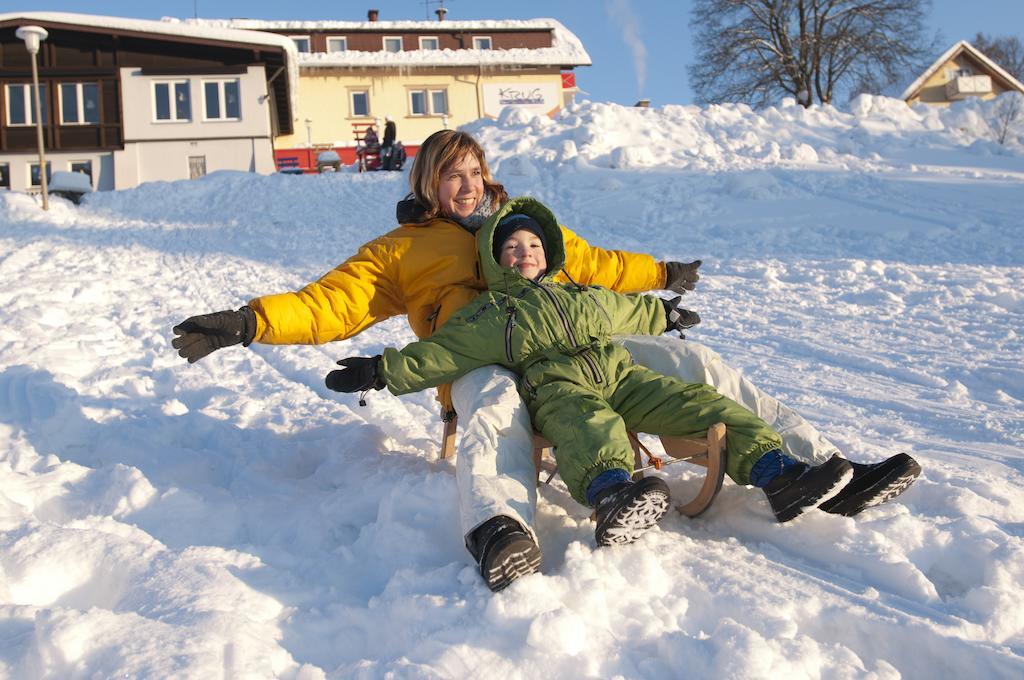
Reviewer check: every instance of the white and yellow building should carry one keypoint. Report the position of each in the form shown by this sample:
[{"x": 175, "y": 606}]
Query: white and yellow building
[
  {"x": 424, "y": 75},
  {"x": 963, "y": 71}
]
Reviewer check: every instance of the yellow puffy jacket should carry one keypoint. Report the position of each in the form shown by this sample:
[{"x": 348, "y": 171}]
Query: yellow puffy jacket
[{"x": 427, "y": 271}]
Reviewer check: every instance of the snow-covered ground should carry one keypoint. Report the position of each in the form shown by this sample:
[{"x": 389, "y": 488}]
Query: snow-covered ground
[{"x": 236, "y": 519}]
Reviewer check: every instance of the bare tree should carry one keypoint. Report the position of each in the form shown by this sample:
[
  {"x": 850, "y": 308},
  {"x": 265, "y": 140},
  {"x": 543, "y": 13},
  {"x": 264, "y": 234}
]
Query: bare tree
[
  {"x": 753, "y": 51},
  {"x": 1007, "y": 51},
  {"x": 1007, "y": 115}
]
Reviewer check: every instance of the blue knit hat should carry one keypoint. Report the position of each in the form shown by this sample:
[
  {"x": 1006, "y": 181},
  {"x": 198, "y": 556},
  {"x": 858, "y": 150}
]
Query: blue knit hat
[{"x": 513, "y": 223}]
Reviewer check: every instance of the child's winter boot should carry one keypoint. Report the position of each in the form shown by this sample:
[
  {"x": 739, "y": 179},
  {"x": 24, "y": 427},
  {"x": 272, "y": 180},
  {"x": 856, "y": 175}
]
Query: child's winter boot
[
  {"x": 801, "y": 487},
  {"x": 627, "y": 509}
]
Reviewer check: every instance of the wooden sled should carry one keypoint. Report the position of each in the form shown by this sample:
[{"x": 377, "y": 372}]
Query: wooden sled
[{"x": 707, "y": 451}]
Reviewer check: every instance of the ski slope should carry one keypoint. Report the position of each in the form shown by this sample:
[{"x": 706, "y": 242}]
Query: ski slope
[{"x": 236, "y": 519}]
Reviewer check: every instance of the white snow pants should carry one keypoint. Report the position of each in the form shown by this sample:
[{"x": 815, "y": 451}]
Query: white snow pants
[{"x": 494, "y": 469}]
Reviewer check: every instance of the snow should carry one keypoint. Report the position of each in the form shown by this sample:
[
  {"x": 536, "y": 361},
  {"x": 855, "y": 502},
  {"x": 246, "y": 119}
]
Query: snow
[
  {"x": 234, "y": 518},
  {"x": 566, "y": 49},
  {"x": 70, "y": 181}
]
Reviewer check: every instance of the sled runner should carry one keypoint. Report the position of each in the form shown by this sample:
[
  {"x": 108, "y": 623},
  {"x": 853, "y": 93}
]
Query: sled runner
[{"x": 707, "y": 451}]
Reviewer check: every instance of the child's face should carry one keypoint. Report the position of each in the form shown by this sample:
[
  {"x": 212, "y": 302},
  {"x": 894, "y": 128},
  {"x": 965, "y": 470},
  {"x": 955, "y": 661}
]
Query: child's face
[{"x": 525, "y": 251}]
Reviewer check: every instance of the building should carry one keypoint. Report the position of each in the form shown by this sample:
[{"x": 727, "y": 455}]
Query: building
[
  {"x": 961, "y": 72},
  {"x": 425, "y": 75},
  {"x": 127, "y": 101}
]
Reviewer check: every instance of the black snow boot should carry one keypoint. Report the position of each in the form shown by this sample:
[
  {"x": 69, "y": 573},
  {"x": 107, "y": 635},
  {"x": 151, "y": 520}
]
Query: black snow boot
[
  {"x": 873, "y": 484},
  {"x": 504, "y": 550},
  {"x": 803, "y": 487},
  {"x": 626, "y": 510}
]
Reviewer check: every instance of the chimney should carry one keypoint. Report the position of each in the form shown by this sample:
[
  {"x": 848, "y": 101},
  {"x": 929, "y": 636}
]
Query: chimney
[
  {"x": 440, "y": 12},
  {"x": 371, "y": 15}
]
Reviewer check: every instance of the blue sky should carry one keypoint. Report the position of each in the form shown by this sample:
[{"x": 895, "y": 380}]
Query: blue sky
[{"x": 640, "y": 48}]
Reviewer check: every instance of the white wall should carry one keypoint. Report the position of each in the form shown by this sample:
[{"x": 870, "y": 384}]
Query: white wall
[
  {"x": 140, "y": 123},
  {"x": 169, "y": 160},
  {"x": 102, "y": 167}
]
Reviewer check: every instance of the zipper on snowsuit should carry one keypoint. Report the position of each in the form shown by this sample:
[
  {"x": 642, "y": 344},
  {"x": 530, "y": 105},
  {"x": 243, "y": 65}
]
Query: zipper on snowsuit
[
  {"x": 594, "y": 373},
  {"x": 508, "y": 333}
]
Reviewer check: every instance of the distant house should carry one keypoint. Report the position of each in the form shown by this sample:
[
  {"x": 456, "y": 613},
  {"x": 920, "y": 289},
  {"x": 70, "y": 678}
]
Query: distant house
[
  {"x": 961, "y": 72},
  {"x": 425, "y": 75},
  {"x": 127, "y": 101}
]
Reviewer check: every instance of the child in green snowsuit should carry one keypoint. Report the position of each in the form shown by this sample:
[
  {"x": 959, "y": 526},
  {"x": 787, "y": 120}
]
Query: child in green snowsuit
[{"x": 582, "y": 389}]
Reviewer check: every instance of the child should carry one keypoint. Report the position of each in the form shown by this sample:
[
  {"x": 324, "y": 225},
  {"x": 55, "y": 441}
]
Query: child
[{"x": 582, "y": 389}]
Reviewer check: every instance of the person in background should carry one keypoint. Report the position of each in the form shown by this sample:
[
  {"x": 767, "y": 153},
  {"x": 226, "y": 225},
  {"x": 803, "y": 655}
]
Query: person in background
[
  {"x": 388, "y": 144},
  {"x": 427, "y": 268}
]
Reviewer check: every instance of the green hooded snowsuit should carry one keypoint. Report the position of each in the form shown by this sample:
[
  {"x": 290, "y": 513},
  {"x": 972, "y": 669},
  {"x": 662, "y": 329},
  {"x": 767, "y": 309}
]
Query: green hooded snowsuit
[{"x": 582, "y": 389}]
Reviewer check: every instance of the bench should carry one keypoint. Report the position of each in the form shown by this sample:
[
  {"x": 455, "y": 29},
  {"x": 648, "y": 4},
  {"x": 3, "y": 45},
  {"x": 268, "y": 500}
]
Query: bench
[
  {"x": 289, "y": 165},
  {"x": 707, "y": 451}
]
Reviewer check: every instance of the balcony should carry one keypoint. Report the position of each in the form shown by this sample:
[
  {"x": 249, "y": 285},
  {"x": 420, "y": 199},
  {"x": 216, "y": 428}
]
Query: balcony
[{"x": 962, "y": 87}]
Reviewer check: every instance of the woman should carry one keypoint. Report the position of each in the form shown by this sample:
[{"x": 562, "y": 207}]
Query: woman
[{"x": 427, "y": 269}]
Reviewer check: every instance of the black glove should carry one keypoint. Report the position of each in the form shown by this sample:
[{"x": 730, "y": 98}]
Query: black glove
[
  {"x": 201, "y": 335},
  {"x": 360, "y": 374},
  {"x": 677, "y": 318},
  {"x": 681, "y": 276}
]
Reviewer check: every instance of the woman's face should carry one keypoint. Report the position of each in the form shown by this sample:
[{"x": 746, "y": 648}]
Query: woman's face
[
  {"x": 461, "y": 188},
  {"x": 524, "y": 251}
]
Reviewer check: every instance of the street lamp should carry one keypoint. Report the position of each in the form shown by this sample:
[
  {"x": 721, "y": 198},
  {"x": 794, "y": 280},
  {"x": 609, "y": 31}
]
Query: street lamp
[{"x": 33, "y": 35}]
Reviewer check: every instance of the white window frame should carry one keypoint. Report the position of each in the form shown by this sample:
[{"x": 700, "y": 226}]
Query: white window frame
[
  {"x": 48, "y": 169},
  {"x": 479, "y": 38},
  {"x": 309, "y": 43},
  {"x": 352, "y": 104},
  {"x": 71, "y": 168},
  {"x": 29, "y": 103},
  {"x": 384, "y": 43},
  {"x": 428, "y": 99},
  {"x": 437, "y": 42},
  {"x": 81, "y": 102},
  {"x": 171, "y": 105},
  {"x": 221, "y": 99},
  {"x": 342, "y": 38}
]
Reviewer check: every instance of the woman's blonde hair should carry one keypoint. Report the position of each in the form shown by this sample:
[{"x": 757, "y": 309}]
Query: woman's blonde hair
[{"x": 440, "y": 150}]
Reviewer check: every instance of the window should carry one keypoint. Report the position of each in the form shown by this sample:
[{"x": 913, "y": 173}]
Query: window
[
  {"x": 360, "y": 103},
  {"x": 428, "y": 102},
  {"x": 301, "y": 42},
  {"x": 21, "y": 104},
  {"x": 33, "y": 174},
  {"x": 392, "y": 43},
  {"x": 482, "y": 42},
  {"x": 196, "y": 167},
  {"x": 5, "y": 176},
  {"x": 337, "y": 44},
  {"x": 438, "y": 102},
  {"x": 84, "y": 167},
  {"x": 429, "y": 43},
  {"x": 221, "y": 100},
  {"x": 79, "y": 104},
  {"x": 172, "y": 100}
]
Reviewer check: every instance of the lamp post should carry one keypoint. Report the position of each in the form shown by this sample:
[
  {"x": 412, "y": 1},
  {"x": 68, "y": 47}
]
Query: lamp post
[{"x": 33, "y": 35}]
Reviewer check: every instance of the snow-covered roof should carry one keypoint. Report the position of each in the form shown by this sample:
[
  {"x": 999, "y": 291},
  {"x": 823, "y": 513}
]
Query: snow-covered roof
[
  {"x": 566, "y": 49},
  {"x": 173, "y": 28},
  {"x": 964, "y": 46}
]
